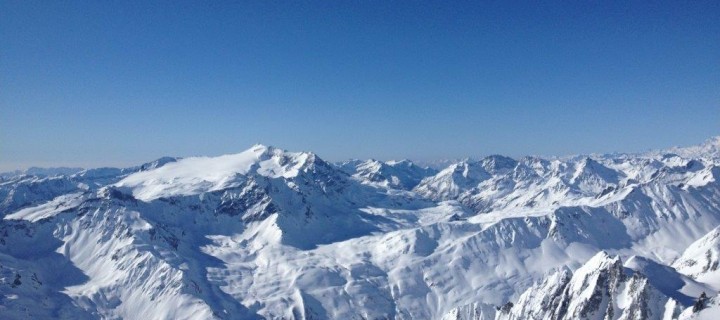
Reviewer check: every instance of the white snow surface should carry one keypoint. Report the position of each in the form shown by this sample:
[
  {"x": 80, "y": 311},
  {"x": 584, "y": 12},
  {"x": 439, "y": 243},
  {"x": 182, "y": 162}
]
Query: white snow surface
[
  {"x": 701, "y": 260},
  {"x": 49, "y": 209},
  {"x": 197, "y": 175},
  {"x": 268, "y": 233}
]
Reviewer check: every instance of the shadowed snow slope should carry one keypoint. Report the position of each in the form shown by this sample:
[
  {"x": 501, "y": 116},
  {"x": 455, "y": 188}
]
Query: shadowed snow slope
[{"x": 268, "y": 233}]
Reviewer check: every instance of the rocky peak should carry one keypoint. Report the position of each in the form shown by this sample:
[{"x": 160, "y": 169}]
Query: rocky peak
[{"x": 497, "y": 164}]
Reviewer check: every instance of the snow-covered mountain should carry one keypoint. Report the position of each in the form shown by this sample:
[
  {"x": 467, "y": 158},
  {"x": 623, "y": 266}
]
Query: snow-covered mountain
[
  {"x": 602, "y": 288},
  {"x": 41, "y": 172},
  {"x": 403, "y": 174},
  {"x": 268, "y": 233}
]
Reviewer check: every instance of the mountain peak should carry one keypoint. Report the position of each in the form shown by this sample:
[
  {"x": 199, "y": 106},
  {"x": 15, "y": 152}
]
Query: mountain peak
[
  {"x": 403, "y": 162},
  {"x": 264, "y": 150},
  {"x": 157, "y": 163},
  {"x": 701, "y": 260},
  {"x": 497, "y": 164},
  {"x": 196, "y": 175},
  {"x": 709, "y": 149},
  {"x": 259, "y": 147},
  {"x": 713, "y": 141},
  {"x": 397, "y": 174},
  {"x": 600, "y": 261}
]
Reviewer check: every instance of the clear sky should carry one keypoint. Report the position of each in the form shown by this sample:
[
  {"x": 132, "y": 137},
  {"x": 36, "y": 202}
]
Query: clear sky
[{"x": 93, "y": 83}]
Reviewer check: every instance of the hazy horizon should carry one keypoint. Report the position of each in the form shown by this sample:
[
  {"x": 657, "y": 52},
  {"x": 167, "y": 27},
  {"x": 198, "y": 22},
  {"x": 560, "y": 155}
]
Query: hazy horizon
[
  {"x": 93, "y": 84},
  {"x": 417, "y": 160}
]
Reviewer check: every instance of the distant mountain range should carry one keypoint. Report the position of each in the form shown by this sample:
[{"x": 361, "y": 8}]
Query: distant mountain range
[{"x": 267, "y": 233}]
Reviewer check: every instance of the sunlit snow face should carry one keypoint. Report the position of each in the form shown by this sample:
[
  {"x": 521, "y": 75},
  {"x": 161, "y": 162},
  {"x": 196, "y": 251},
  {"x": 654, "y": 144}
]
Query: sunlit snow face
[
  {"x": 204, "y": 174},
  {"x": 272, "y": 233}
]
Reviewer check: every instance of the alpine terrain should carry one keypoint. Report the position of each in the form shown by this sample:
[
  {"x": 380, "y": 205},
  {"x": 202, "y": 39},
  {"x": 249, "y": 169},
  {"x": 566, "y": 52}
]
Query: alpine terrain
[{"x": 268, "y": 233}]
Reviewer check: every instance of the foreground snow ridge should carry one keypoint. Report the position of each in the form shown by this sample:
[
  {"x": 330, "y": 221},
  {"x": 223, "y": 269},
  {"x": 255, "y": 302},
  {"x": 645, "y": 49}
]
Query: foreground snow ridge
[{"x": 268, "y": 233}]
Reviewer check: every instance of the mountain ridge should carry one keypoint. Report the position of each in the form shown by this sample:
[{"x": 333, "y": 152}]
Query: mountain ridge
[{"x": 268, "y": 233}]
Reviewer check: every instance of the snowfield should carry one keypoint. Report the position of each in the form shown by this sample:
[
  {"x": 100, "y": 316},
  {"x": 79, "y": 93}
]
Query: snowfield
[{"x": 268, "y": 233}]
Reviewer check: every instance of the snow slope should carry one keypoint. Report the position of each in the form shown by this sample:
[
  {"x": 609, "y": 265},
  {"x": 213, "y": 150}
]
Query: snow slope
[
  {"x": 268, "y": 233},
  {"x": 403, "y": 174}
]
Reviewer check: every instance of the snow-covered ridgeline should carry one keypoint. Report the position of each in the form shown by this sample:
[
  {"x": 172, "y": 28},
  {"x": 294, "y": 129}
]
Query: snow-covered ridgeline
[{"x": 277, "y": 234}]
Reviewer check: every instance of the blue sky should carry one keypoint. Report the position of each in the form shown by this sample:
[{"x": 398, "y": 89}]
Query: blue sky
[{"x": 117, "y": 83}]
